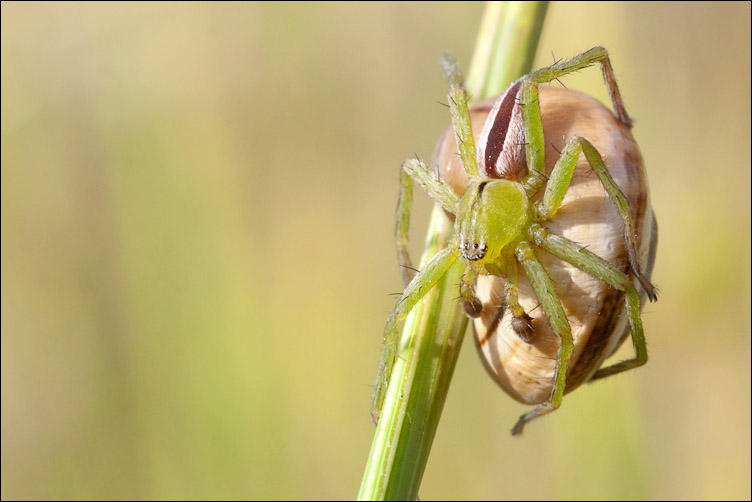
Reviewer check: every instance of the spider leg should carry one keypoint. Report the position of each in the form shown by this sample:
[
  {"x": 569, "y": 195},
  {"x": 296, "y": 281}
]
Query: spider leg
[
  {"x": 437, "y": 189},
  {"x": 418, "y": 287},
  {"x": 460, "y": 114},
  {"x": 530, "y": 108},
  {"x": 588, "y": 58},
  {"x": 600, "y": 268},
  {"x": 620, "y": 202},
  {"x": 535, "y": 147},
  {"x": 544, "y": 290},
  {"x": 561, "y": 177}
]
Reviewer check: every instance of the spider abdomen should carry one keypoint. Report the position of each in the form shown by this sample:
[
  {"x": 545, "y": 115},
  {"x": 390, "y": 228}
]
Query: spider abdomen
[{"x": 587, "y": 216}]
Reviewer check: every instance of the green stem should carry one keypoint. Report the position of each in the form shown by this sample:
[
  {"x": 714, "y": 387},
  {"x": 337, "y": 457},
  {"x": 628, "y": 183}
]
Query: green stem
[
  {"x": 506, "y": 46},
  {"x": 433, "y": 332}
]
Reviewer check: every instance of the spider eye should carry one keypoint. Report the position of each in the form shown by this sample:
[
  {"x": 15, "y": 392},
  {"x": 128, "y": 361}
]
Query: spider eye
[{"x": 473, "y": 251}]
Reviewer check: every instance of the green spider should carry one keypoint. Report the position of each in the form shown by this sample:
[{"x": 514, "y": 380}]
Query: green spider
[{"x": 501, "y": 221}]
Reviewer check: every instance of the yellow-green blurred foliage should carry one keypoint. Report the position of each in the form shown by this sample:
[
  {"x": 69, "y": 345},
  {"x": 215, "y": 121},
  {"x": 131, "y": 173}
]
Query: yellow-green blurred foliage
[{"x": 197, "y": 209}]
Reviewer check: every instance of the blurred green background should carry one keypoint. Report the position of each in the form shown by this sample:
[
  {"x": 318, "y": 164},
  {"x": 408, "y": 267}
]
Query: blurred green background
[{"x": 197, "y": 210}]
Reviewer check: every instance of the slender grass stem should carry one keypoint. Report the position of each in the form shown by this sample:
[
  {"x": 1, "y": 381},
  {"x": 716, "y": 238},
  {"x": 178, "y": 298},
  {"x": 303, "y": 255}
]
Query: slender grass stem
[{"x": 434, "y": 330}]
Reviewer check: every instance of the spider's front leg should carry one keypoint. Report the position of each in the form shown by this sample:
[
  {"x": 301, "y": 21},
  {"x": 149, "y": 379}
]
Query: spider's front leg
[
  {"x": 416, "y": 286},
  {"x": 417, "y": 289}
]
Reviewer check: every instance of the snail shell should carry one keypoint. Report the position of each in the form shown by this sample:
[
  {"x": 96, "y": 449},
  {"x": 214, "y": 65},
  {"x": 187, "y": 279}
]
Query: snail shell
[{"x": 587, "y": 216}]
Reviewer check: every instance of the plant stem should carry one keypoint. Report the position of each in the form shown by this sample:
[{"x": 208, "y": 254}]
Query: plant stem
[
  {"x": 506, "y": 46},
  {"x": 433, "y": 332}
]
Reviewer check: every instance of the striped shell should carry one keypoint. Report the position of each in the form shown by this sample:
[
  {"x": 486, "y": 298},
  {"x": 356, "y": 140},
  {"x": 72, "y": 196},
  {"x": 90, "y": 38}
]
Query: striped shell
[{"x": 587, "y": 216}]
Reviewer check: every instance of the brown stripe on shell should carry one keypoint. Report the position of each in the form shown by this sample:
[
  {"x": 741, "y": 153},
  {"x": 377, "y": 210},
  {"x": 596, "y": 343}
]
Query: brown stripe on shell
[
  {"x": 592, "y": 355},
  {"x": 651, "y": 250},
  {"x": 494, "y": 142},
  {"x": 637, "y": 199},
  {"x": 495, "y": 321}
]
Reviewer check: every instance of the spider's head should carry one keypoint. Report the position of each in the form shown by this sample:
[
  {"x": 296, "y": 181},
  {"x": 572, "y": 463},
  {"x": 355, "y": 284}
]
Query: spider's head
[{"x": 491, "y": 214}]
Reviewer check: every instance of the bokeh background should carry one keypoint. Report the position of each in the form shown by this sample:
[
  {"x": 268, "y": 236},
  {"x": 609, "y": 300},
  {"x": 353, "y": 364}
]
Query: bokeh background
[{"x": 197, "y": 210}]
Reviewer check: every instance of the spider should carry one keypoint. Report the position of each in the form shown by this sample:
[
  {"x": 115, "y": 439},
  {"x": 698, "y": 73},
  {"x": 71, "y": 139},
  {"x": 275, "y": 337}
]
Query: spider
[{"x": 502, "y": 222}]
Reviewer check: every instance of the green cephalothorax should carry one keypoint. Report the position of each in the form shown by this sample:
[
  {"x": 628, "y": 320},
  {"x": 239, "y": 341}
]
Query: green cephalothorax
[
  {"x": 597, "y": 255},
  {"x": 491, "y": 215}
]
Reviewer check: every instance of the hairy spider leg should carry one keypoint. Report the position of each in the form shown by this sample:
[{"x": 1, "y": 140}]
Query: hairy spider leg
[
  {"x": 546, "y": 294},
  {"x": 588, "y": 58},
  {"x": 436, "y": 188},
  {"x": 460, "y": 112},
  {"x": 596, "y": 266},
  {"x": 561, "y": 177},
  {"x": 535, "y": 146},
  {"x": 622, "y": 206},
  {"x": 417, "y": 289},
  {"x": 416, "y": 286}
]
